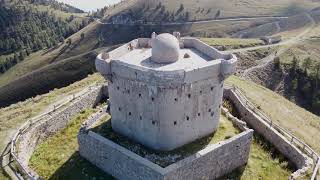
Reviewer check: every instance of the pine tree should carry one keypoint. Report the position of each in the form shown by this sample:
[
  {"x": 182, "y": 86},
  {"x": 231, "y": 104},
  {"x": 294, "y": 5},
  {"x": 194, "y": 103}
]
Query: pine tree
[{"x": 306, "y": 64}]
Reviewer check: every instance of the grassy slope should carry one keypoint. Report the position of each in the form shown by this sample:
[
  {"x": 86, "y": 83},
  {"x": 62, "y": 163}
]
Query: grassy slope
[
  {"x": 236, "y": 8},
  {"x": 56, "y": 158},
  {"x": 300, "y": 122},
  {"x": 15, "y": 115},
  {"x": 46, "y": 57},
  {"x": 232, "y": 43},
  {"x": 53, "y": 158},
  {"x": 303, "y": 50}
]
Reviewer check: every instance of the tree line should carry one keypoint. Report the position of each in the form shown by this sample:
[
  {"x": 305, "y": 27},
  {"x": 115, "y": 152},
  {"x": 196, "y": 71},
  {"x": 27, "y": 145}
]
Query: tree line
[{"x": 303, "y": 82}]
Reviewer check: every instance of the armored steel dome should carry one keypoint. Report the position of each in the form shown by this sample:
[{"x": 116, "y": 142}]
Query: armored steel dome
[{"x": 165, "y": 48}]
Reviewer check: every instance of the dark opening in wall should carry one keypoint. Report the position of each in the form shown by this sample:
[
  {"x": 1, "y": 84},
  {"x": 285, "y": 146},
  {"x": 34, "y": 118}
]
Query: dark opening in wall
[
  {"x": 175, "y": 123},
  {"x": 119, "y": 108},
  {"x": 140, "y": 95},
  {"x": 129, "y": 113},
  {"x": 152, "y": 98},
  {"x": 153, "y": 122},
  {"x": 200, "y": 92},
  {"x": 128, "y": 91},
  {"x": 199, "y": 114},
  {"x": 212, "y": 114},
  {"x": 211, "y": 88},
  {"x": 118, "y": 87},
  {"x": 209, "y": 110},
  {"x": 176, "y": 99},
  {"x": 189, "y": 95},
  {"x": 188, "y": 118},
  {"x": 136, "y": 73},
  {"x": 140, "y": 117}
]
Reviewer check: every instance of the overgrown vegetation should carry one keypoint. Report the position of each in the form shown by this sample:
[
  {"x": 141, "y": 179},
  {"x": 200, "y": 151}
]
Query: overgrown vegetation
[
  {"x": 303, "y": 84},
  {"x": 302, "y": 65},
  {"x": 265, "y": 162}
]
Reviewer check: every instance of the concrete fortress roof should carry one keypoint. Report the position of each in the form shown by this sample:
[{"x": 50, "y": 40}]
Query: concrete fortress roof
[
  {"x": 166, "y": 60},
  {"x": 165, "y": 48}
]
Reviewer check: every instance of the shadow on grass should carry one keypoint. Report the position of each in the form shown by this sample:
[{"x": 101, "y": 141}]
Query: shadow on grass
[{"x": 77, "y": 168}]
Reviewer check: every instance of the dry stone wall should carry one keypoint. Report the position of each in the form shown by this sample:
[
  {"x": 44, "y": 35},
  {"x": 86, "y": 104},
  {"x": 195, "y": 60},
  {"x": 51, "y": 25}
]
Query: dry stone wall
[
  {"x": 210, "y": 163},
  {"x": 301, "y": 161},
  {"x": 51, "y": 123}
]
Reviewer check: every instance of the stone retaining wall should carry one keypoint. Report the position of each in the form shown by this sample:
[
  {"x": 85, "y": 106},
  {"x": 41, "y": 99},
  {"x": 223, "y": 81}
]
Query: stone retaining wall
[
  {"x": 50, "y": 124},
  {"x": 213, "y": 161},
  {"x": 301, "y": 161}
]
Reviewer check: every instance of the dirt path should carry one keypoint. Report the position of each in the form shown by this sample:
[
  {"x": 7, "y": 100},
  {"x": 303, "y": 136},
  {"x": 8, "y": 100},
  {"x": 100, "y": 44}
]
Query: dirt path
[
  {"x": 288, "y": 44},
  {"x": 198, "y": 21}
]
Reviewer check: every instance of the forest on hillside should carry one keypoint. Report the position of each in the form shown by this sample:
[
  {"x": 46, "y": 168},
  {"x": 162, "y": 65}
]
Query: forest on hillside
[
  {"x": 57, "y": 5},
  {"x": 25, "y": 29}
]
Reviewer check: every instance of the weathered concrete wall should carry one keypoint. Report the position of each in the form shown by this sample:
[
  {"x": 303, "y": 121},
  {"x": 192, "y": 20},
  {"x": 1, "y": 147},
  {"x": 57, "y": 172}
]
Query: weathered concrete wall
[
  {"x": 301, "y": 161},
  {"x": 50, "y": 124},
  {"x": 153, "y": 115},
  {"x": 212, "y": 162}
]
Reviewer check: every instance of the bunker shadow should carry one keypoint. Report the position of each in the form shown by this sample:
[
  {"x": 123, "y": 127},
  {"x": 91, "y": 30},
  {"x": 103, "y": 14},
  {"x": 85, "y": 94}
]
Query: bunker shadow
[
  {"x": 161, "y": 158},
  {"x": 76, "y": 168}
]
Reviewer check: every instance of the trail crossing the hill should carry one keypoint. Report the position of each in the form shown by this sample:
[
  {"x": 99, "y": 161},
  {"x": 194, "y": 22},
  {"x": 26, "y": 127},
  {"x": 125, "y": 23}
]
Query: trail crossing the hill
[
  {"x": 195, "y": 22},
  {"x": 288, "y": 44}
]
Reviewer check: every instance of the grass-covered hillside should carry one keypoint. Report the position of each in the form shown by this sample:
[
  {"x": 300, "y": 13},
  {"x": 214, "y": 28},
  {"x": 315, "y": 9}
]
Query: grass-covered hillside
[
  {"x": 297, "y": 120},
  {"x": 12, "y": 117},
  {"x": 30, "y": 26},
  {"x": 263, "y": 161},
  {"x": 97, "y": 35},
  {"x": 167, "y": 10}
]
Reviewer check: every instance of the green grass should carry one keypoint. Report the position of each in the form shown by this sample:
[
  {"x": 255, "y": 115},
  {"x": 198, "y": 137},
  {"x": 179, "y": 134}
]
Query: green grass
[
  {"x": 12, "y": 117},
  {"x": 234, "y": 8},
  {"x": 300, "y": 122},
  {"x": 232, "y": 43},
  {"x": 264, "y": 163},
  {"x": 226, "y": 130},
  {"x": 57, "y": 157},
  {"x": 307, "y": 49}
]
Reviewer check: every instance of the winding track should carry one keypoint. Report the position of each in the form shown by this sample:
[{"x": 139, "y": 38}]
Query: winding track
[
  {"x": 289, "y": 43},
  {"x": 196, "y": 22},
  {"x": 263, "y": 62}
]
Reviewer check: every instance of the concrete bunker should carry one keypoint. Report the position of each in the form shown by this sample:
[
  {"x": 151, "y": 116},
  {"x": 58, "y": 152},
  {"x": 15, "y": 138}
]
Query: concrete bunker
[
  {"x": 156, "y": 93},
  {"x": 164, "y": 92}
]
